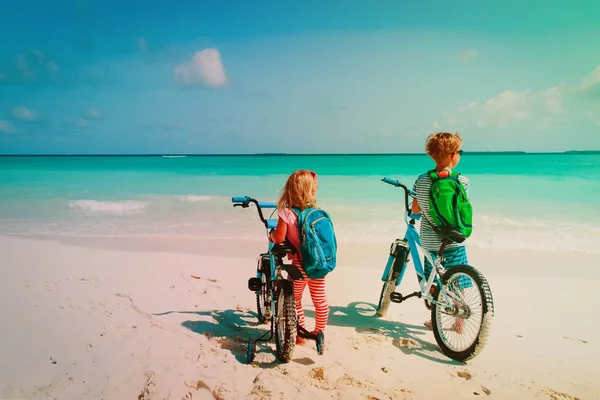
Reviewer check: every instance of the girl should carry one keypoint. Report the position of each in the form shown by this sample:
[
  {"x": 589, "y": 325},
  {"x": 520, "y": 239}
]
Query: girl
[{"x": 300, "y": 191}]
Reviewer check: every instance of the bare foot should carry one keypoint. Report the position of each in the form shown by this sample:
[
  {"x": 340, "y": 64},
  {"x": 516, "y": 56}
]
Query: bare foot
[{"x": 458, "y": 326}]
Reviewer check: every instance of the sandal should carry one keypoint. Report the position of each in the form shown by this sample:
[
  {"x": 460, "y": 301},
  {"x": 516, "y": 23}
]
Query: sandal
[{"x": 428, "y": 325}]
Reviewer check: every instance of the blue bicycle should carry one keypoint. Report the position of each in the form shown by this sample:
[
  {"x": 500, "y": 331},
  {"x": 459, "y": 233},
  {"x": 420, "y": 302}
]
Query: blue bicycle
[
  {"x": 460, "y": 299},
  {"x": 275, "y": 292}
]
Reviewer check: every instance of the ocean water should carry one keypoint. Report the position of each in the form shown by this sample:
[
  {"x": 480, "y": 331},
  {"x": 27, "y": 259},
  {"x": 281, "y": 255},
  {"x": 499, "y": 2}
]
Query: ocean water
[{"x": 523, "y": 201}]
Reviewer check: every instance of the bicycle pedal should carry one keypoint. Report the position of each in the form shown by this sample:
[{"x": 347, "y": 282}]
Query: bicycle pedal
[
  {"x": 254, "y": 284},
  {"x": 396, "y": 297},
  {"x": 428, "y": 304}
]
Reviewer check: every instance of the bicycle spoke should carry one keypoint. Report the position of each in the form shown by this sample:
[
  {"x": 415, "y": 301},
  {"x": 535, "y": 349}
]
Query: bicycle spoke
[{"x": 466, "y": 298}]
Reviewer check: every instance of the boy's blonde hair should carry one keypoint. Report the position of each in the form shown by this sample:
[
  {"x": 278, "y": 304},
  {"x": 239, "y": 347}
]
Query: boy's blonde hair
[
  {"x": 299, "y": 191},
  {"x": 441, "y": 144}
]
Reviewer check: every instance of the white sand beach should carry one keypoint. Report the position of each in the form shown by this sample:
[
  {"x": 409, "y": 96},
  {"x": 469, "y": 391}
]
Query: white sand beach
[{"x": 168, "y": 318}]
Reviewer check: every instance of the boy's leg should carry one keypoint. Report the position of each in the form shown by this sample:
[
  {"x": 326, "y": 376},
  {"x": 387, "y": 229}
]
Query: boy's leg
[
  {"x": 319, "y": 299},
  {"x": 457, "y": 256},
  {"x": 453, "y": 256}
]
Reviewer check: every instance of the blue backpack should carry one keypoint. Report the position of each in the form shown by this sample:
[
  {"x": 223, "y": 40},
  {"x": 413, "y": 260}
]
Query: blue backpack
[{"x": 318, "y": 244}]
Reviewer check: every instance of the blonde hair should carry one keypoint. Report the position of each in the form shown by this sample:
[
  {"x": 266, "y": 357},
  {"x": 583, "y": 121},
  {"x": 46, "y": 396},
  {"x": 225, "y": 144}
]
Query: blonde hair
[
  {"x": 299, "y": 191},
  {"x": 441, "y": 144}
]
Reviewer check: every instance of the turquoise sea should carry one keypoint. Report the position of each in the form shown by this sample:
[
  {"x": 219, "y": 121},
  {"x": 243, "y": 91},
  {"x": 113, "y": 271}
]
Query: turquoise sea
[{"x": 520, "y": 201}]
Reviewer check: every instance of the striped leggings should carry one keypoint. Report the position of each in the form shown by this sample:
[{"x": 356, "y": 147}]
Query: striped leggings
[{"x": 316, "y": 288}]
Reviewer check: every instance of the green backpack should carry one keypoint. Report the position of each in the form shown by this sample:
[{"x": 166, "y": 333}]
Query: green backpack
[{"x": 449, "y": 207}]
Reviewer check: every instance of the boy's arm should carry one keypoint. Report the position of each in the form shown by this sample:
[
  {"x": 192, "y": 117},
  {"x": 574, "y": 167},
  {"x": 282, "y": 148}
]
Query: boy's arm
[
  {"x": 278, "y": 235},
  {"x": 416, "y": 209},
  {"x": 466, "y": 184}
]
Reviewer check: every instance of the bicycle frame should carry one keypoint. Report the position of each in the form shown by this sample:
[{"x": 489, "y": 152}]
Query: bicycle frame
[
  {"x": 276, "y": 265},
  {"x": 413, "y": 238}
]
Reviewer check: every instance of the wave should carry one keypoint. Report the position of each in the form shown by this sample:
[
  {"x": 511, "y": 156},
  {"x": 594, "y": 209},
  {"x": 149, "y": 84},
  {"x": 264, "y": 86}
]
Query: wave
[
  {"x": 193, "y": 198},
  {"x": 108, "y": 207},
  {"x": 173, "y": 156}
]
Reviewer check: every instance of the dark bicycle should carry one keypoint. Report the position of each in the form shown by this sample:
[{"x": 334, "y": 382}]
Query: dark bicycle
[{"x": 275, "y": 292}]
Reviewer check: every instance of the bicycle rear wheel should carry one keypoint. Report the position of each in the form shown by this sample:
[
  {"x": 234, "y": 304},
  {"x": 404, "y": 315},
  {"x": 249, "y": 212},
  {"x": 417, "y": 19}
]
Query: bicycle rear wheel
[
  {"x": 388, "y": 288},
  {"x": 461, "y": 328},
  {"x": 285, "y": 322}
]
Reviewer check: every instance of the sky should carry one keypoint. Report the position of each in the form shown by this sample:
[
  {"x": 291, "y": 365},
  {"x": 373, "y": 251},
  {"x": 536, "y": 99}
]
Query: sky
[{"x": 230, "y": 77}]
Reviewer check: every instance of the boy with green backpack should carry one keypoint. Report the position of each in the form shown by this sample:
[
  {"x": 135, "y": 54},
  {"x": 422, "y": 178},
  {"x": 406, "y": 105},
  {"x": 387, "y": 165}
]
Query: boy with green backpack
[{"x": 440, "y": 195}]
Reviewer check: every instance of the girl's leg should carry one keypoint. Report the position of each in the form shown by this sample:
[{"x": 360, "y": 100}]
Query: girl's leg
[
  {"x": 299, "y": 286},
  {"x": 319, "y": 299}
]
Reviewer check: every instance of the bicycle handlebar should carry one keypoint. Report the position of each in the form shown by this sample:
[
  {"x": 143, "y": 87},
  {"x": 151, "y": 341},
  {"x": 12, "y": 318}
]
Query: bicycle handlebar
[
  {"x": 396, "y": 183},
  {"x": 244, "y": 202}
]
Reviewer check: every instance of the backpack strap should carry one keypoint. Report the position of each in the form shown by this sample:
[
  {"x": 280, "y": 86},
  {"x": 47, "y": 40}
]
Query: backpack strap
[{"x": 433, "y": 175}]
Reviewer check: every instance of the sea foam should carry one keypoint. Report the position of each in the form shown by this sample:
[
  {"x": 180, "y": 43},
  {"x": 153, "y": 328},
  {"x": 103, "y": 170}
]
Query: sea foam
[{"x": 108, "y": 207}]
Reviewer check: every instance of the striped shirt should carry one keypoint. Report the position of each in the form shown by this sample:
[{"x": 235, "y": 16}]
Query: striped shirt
[{"x": 430, "y": 239}]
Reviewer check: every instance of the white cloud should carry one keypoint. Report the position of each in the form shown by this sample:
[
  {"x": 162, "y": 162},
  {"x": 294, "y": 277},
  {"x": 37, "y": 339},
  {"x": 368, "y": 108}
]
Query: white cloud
[
  {"x": 93, "y": 113},
  {"x": 466, "y": 56},
  {"x": 39, "y": 55},
  {"x": 173, "y": 125},
  {"x": 6, "y": 127},
  {"x": 437, "y": 125},
  {"x": 507, "y": 107},
  {"x": 82, "y": 123},
  {"x": 21, "y": 62},
  {"x": 204, "y": 68},
  {"x": 534, "y": 108},
  {"x": 592, "y": 79},
  {"x": 52, "y": 66},
  {"x": 142, "y": 44},
  {"x": 24, "y": 114},
  {"x": 593, "y": 115},
  {"x": 23, "y": 66}
]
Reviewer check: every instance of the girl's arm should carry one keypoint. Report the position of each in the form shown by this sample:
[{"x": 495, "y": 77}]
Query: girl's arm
[{"x": 278, "y": 235}]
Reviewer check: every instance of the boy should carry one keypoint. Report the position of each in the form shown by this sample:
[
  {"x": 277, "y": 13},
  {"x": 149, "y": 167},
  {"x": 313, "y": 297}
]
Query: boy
[{"x": 445, "y": 150}]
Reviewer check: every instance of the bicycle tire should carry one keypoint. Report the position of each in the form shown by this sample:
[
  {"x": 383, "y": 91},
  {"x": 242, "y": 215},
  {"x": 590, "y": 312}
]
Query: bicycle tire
[
  {"x": 286, "y": 322},
  {"x": 263, "y": 314},
  {"x": 251, "y": 351},
  {"x": 485, "y": 321},
  {"x": 320, "y": 343},
  {"x": 388, "y": 288}
]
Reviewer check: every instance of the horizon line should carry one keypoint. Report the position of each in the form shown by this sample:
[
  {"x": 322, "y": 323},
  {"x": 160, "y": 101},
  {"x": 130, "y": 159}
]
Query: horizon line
[{"x": 511, "y": 152}]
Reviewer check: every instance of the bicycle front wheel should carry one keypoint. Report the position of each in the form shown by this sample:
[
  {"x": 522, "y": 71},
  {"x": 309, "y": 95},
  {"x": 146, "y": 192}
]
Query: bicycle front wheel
[
  {"x": 262, "y": 300},
  {"x": 461, "y": 326},
  {"x": 388, "y": 288},
  {"x": 265, "y": 294}
]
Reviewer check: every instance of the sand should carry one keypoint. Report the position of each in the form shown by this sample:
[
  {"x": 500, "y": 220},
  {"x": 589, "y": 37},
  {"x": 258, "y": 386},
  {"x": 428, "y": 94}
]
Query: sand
[{"x": 168, "y": 318}]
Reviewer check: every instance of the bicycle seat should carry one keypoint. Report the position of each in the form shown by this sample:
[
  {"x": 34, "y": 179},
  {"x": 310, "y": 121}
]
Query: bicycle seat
[
  {"x": 283, "y": 248},
  {"x": 453, "y": 235}
]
